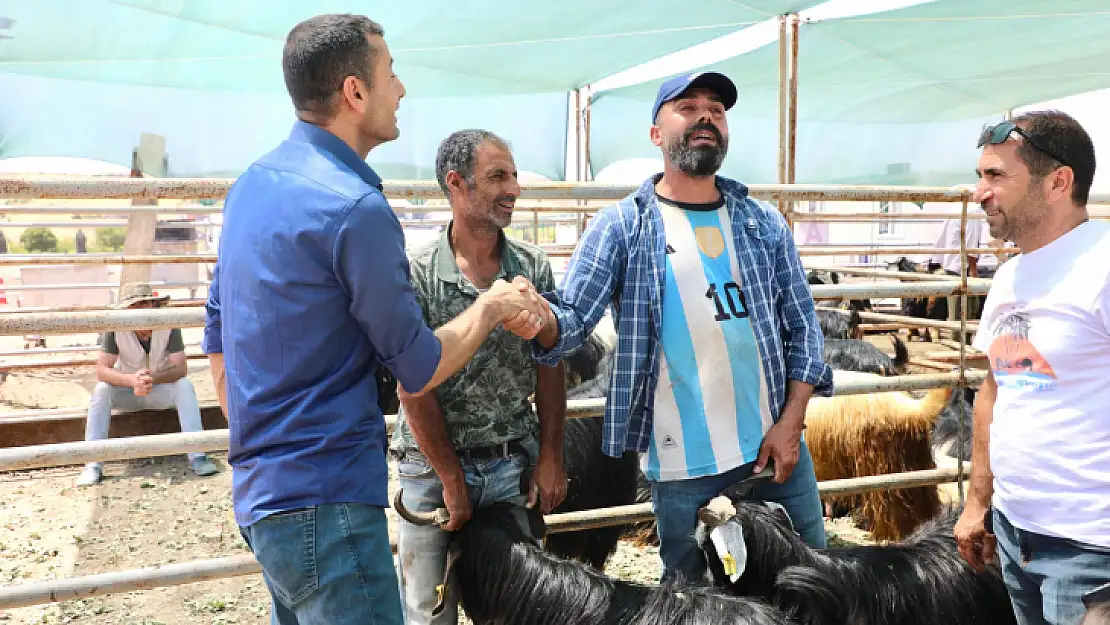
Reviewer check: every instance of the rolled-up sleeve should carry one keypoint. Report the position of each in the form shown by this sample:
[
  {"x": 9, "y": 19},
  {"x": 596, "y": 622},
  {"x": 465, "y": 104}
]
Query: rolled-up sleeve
[
  {"x": 588, "y": 285},
  {"x": 213, "y": 342},
  {"x": 370, "y": 263},
  {"x": 802, "y": 338}
]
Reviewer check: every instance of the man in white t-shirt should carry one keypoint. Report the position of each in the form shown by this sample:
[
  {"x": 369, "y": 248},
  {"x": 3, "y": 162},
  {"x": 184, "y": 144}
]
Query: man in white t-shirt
[
  {"x": 1040, "y": 479},
  {"x": 950, "y": 239},
  {"x": 950, "y": 262}
]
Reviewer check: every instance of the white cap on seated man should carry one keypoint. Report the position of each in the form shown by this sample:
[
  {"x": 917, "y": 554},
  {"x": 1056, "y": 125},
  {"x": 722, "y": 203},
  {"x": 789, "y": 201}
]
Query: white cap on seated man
[{"x": 142, "y": 370}]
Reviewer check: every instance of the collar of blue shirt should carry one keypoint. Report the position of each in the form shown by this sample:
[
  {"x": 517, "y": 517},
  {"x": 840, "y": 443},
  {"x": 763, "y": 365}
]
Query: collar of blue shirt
[{"x": 305, "y": 132}]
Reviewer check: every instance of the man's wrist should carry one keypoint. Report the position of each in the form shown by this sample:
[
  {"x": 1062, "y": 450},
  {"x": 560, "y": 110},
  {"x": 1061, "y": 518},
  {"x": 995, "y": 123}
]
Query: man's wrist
[
  {"x": 453, "y": 477},
  {"x": 793, "y": 418},
  {"x": 490, "y": 309},
  {"x": 548, "y": 337}
]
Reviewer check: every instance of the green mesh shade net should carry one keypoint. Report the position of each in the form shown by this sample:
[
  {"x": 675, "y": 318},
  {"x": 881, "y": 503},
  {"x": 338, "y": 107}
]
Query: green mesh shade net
[
  {"x": 86, "y": 77},
  {"x": 891, "y": 98},
  {"x": 442, "y": 48}
]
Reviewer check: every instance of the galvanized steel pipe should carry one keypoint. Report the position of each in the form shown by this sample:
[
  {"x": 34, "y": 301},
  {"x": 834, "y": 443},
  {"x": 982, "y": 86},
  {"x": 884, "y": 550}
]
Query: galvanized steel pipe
[
  {"x": 53, "y": 591},
  {"x": 18, "y": 324},
  {"x": 192, "y": 317},
  {"x": 60, "y": 454},
  {"x": 10, "y": 260}
]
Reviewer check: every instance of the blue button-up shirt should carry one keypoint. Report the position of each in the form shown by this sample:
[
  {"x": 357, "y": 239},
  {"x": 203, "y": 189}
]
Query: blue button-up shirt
[
  {"x": 310, "y": 292},
  {"x": 620, "y": 261}
]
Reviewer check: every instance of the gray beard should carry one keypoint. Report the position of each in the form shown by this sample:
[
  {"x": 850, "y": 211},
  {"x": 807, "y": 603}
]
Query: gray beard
[{"x": 699, "y": 162}]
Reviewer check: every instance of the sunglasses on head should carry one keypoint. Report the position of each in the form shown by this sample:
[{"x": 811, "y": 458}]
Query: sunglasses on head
[{"x": 1000, "y": 132}]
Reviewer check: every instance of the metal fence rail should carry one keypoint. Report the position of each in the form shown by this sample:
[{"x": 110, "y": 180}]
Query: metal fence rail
[
  {"x": 101, "y": 188},
  {"x": 192, "y": 317},
  {"x": 60, "y": 454},
  {"x": 552, "y": 197},
  {"x": 53, "y": 591}
]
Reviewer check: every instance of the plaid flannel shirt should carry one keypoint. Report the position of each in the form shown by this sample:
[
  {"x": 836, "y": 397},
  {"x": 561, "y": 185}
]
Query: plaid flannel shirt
[{"x": 620, "y": 261}]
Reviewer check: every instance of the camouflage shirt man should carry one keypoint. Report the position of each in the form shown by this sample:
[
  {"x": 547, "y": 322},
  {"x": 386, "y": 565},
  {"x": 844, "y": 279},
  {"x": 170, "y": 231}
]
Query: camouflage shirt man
[
  {"x": 487, "y": 402},
  {"x": 476, "y": 440}
]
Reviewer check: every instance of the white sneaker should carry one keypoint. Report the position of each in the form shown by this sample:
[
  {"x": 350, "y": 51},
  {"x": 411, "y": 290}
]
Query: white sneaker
[{"x": 91, "y": 475}]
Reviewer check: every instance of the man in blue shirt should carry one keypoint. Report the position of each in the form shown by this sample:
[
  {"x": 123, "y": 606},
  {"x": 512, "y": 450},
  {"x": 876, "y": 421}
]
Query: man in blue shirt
[
  {"x": 718, "y": 348},
  {"x": 310, "y": 293}
]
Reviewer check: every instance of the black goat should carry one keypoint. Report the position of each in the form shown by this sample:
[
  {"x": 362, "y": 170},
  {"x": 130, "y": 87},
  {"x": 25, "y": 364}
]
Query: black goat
[
  {"x": 505, "y": 579},
  {"x": 596, "y": 481},
  {"x": 643, "y": 534},
  {"x": 946, "y": 432},
  {"x": 858, "y": 355},
  {"x": 922, "y": 580},
  {"x": 823, "y": 276},
  {"x": 837, "y": 325}
]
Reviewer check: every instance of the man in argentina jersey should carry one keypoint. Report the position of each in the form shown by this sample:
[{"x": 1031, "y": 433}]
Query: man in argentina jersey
[
  {"x": 711, "y": 406},
  {"x": 718, "y": 346}
]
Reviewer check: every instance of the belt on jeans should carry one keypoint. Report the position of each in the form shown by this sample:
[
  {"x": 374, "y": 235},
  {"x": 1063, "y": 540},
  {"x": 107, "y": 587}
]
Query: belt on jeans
[{"x": 493, "y": 452}]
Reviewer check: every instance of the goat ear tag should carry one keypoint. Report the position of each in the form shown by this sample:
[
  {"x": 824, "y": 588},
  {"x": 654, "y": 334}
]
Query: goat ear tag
[{"x": 728, "y": 539}]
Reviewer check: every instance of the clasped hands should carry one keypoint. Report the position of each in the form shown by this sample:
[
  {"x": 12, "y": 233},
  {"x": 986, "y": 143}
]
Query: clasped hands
[{"x": 519, "y": 307}]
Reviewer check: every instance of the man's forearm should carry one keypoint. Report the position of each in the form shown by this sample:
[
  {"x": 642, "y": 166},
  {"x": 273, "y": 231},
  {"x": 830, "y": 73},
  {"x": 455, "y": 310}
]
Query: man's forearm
[
  {"x": 113, "y": 376},
  {"x": 172, "y": 374},
  {"x": 548, "y": 337},
  {"x": 981, "y": 486},
  {"x": 551, "y": 408},
  {"x": 797, "y": 398},
  {"x": 459, "y": 339},
  {"x": 425, "y": 420},
  {"x": 219, "y": 379}
]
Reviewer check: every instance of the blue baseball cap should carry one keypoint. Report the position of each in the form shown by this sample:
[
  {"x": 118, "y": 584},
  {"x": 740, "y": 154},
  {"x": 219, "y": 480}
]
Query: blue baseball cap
[{"x": 716, "y": 81}]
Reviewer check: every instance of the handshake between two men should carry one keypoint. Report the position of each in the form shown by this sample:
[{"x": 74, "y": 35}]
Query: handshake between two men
[{"x": 521, "y": 309}]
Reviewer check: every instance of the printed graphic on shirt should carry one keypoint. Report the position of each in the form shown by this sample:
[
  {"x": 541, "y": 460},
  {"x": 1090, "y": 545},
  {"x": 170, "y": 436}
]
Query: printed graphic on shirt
[
  {"x": 711, "y": 406},
  {"x": 1015, "y": 361}
]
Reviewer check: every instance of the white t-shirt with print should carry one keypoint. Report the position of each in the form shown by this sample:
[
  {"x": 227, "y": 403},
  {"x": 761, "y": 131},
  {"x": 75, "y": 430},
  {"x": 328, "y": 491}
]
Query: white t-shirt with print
[{"x": 1046, "y": 330}]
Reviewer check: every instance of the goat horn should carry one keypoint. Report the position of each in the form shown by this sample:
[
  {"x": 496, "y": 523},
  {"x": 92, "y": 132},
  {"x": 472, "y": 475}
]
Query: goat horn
[{"x": 439, "y": 516}]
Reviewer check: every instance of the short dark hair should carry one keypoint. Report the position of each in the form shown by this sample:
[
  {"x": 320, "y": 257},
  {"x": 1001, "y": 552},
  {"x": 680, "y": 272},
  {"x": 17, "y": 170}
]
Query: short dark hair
[
  {"x": 1062, "y": 135},
  {"x": 459, "y": 151},
  {"x": 321, "y": 52},
  {"x": 1097, "y": 614}
]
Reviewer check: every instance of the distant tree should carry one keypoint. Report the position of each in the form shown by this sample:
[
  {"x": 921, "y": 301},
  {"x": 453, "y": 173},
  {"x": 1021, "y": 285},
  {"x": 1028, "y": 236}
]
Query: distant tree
[
  {"x": 111, "y": 238},
  {"x": 39, "y": 240}
]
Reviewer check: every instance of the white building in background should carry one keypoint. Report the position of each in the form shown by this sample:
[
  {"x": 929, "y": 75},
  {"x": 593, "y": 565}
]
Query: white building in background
[{"x": 877, "y": 234}]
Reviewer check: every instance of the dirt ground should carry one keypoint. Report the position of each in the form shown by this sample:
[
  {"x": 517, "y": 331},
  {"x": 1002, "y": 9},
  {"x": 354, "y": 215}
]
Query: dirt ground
[{"x": 155, "y": 511}]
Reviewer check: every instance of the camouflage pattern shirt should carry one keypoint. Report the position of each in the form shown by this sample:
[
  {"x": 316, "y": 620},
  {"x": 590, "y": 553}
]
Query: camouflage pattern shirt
[{"x": 486, "y": 402}]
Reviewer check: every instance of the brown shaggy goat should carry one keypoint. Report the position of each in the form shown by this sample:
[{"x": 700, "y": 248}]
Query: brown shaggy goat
[{"x": 874, "y": 434}]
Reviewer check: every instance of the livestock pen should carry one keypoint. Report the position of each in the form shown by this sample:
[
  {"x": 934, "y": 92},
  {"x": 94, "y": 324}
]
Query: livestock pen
[{"x": 577, "y": 199}]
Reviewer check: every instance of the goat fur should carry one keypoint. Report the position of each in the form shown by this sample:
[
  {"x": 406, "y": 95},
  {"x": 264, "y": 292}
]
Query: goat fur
[
  {"x": 505, "y": 579},
  {"x": 824, "y": 276},
  {"x": 643, "y": 534},
  {"x": 596, "y": 481},
  {"x": 922, "y": 580},
  {"x": 858, "y": 355},
  {"x": 875, "y": 434},
  {"x": 836, "y": 325},
  {"x": 946, "y": 433}
]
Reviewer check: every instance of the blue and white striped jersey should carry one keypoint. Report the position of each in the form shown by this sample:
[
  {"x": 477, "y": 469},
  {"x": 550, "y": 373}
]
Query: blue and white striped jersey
[{"x": 711, "y": 405}]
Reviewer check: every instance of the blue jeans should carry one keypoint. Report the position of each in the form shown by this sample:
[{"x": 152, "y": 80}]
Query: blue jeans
[
  {"x": 676, "y": 505},
  {"x": 423, "y": 550},
  {"x": 327, "y": 565},
  {"x": 1047, "y": 576}
]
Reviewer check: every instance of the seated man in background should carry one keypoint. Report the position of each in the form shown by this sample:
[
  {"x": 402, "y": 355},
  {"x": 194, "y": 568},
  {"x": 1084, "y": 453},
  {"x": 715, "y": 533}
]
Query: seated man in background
[{"x": 142, "y": 370}]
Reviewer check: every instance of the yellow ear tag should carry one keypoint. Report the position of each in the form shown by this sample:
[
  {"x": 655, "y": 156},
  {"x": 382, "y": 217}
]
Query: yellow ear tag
[
  {"x": 729, "y": 563},
  {"x": 440, "y": 589}
]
